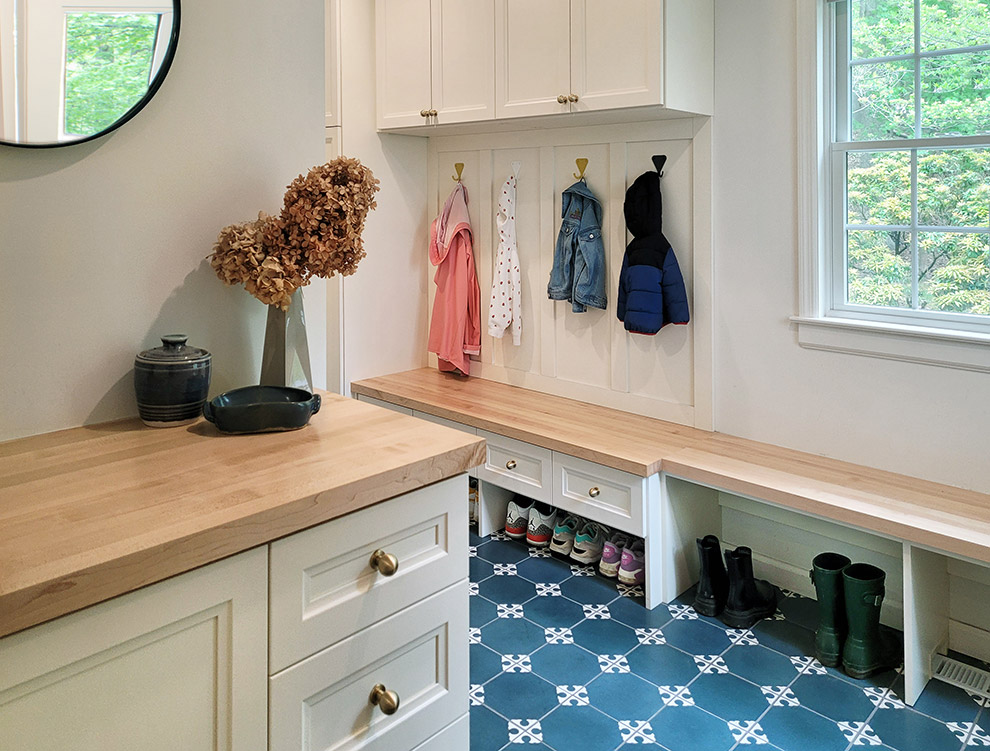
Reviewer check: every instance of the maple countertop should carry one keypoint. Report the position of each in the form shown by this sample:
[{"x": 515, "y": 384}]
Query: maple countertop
[{"x": 91, "y": 513}]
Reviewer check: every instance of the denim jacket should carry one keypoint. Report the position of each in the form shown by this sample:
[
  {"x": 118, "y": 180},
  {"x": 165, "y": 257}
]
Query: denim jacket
[{"x": 578, "y": 272}]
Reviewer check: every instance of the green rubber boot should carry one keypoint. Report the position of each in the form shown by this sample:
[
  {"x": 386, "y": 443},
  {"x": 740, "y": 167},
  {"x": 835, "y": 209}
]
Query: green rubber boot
[
  {"x": 866, "y": 650},
  {"x": 827, "y": 578}
]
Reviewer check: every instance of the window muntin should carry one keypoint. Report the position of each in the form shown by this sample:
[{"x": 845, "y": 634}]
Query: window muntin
[{"x": 910, "y": 170}]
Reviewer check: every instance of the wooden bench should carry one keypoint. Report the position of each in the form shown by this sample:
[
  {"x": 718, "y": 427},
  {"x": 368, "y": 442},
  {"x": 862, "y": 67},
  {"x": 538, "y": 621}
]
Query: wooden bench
[{"x": 678, "y": 471}]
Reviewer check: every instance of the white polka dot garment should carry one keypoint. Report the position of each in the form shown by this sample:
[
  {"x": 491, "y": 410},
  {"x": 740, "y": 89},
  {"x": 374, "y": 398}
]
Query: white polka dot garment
[{"x": 506, "y": 304}]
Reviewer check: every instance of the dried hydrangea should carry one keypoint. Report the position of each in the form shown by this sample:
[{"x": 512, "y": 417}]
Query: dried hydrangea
[
  {"x": 318, "y": 233},
  {"x": 323, "y": 216}
]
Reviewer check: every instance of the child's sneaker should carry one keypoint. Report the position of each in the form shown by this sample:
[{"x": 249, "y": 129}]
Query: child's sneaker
[
  {"x": 517, "y": 516},
  {"x": 588, "y": 543},
  {"x": 540, "y": 529},
  {"x": 632, "y": 570},
  {"x": 612, "y": 554},
  {"x": 563, "y": 535}
]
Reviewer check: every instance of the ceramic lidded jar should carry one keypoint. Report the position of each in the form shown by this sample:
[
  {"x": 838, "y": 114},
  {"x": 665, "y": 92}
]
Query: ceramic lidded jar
[{"x": 171, "y": 382}]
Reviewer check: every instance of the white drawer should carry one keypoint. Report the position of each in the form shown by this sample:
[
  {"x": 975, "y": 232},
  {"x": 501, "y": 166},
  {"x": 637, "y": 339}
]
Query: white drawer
[
  {"x": 323, "y": 587},
  {"x": 606, "y": 495},
  {"x": 473, "y": 471},
  {"x": 386, "y": 405},
  {"x": 420, "y": 653},
  {"x": 518, "y": 466}
]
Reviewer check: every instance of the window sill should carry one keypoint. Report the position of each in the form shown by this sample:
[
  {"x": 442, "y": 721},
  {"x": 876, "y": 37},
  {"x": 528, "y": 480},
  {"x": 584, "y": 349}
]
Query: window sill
[{"x": 929, "y": 346}]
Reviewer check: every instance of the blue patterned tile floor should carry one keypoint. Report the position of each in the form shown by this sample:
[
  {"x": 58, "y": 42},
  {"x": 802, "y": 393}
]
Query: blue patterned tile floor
[{"x": 564, "y": 660}]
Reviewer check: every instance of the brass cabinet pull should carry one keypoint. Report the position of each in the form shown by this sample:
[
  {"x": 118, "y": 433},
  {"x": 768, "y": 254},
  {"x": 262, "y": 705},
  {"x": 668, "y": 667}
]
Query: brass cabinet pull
[
  {"x": 511, "y": 464},
  {"x": 433, "y": 113},
  {"x": 594, "y": 492},
  {"x": 385, "y": 700},
  {"x": 562, "y": 99},
  {"x": 424, "y": 113},
  {"x": 572, "y": 97},
  {"x": 387, "y": 564}
]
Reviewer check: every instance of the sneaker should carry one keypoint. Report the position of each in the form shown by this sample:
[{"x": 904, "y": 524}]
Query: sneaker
[
  {"x": 612, "y": 554},
  {"x": 563, "y": 535},
  {"x": 588, "y": 543},
  {"x": 517, "y": 516},
  {"x": 632, "y": 570},
  {"x": 540, "y": 529}
]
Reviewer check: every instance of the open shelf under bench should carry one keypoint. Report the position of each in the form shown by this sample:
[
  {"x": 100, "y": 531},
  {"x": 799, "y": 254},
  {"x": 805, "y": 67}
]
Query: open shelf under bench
[{"x": 664, "y": 480}]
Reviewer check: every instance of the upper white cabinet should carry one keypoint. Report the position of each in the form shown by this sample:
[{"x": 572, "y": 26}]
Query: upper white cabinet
[
  {"x": 553, "y": 57},
  {"x": 435, "y": 62},
  {"x": 533, "y": 66},
  {"x": 576, "y": 55},
  {"x": 563, "y": 56}
]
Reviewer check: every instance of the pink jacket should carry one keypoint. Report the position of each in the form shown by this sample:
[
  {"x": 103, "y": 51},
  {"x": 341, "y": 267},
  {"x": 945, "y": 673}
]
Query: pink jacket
[{"x": 455, "y": 328}]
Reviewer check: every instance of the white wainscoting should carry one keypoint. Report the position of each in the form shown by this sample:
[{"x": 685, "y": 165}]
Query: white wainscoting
[{"x": 589, "y": 356}]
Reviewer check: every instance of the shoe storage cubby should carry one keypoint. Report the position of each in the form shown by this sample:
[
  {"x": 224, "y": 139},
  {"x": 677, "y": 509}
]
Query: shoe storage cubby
[{"x": 939, "y": 600}]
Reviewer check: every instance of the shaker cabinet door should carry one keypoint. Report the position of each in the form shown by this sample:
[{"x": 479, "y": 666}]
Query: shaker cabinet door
[
  {"x": 532, "y": 57},
  {"x": 463, "y": 50},
  {"x": 615, "y": 57},
  {"x": 403, "y": 62},
  {"x": 180, "y": 664}
]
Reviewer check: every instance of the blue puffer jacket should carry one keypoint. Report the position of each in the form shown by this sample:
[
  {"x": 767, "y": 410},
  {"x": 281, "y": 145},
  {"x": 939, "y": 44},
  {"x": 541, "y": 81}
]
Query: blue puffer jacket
[{"x": 651, "y": 288}]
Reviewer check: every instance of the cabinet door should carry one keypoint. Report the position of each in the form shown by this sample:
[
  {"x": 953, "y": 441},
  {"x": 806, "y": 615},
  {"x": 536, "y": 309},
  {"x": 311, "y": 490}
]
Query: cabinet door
[
  {"x": 616, "y": 56},
  {"x": 403, "y": 61},
  {"x": 177, "y": 665},
  {"x": 532, "y": 57},
  {"x": 463, "y": 43}
]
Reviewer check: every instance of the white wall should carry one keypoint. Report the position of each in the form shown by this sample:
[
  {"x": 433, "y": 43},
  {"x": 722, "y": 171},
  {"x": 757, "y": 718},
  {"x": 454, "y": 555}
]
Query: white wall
[
  {"x": 384, "y": 303},
  {"x": 102, "y": 245},
  {"x": 919, "y": 420}
]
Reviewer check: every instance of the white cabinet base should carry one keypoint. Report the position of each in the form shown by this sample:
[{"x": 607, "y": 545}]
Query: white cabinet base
[{"x": 177, "y": 665}]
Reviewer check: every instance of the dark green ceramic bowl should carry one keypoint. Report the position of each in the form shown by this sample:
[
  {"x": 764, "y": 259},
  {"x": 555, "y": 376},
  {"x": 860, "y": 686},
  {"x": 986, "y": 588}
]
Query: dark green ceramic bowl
[{"x": 261, "y": 409}]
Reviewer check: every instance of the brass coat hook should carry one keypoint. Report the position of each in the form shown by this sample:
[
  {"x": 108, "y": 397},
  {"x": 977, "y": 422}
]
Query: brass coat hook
[
  {"x": 458, "y": 168},
  {"x": 582, "y": 165}
]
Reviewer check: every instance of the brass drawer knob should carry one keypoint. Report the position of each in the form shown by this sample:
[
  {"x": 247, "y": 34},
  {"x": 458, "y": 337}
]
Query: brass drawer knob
[
  {"x": 386, "y": 564},
  {"x": 594, "y": 492},
  {"x": 433, "y": 113},
  {"x": 572, "y": 97},
  {"x": 424, "y": 113},
  {"x": 562, "y": 99},
  {"x": 511, "y": 464},
  {"x": 385, "y": 700}
]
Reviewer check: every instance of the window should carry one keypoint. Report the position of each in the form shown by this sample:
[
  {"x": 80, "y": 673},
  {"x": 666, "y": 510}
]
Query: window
[
  {"x": 904, "y": 183},
  {"x": 108, "y": 67},
  {"x": 911, "y": 159}
]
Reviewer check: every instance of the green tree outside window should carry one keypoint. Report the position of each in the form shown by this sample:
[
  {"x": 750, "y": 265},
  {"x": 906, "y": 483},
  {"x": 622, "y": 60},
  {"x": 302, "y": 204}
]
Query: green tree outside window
[
  {"x": 951, "y": 263},
  {"x": 108, "y": 59}
]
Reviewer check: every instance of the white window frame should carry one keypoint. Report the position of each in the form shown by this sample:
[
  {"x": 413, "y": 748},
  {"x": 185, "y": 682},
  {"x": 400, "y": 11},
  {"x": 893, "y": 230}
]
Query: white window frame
[{"x": 956, "y": 341}]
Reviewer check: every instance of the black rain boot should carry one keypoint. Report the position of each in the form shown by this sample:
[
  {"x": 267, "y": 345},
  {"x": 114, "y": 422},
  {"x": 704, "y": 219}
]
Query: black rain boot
[
  {"x": 827, "y": 578},
  {"x": 713, "y": 586},
  {"x": 867, "y": 649},
  {"x": 749, "y": 599}
]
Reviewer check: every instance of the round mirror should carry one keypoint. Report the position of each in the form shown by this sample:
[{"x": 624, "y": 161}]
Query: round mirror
[{"x": 74, "y": 70}]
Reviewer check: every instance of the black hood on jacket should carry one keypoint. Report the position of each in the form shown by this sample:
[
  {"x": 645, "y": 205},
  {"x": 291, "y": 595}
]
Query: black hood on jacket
[{"x": 644, "y": 206}]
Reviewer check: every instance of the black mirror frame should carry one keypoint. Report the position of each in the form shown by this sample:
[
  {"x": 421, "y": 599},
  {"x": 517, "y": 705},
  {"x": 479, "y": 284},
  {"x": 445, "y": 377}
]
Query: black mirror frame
[{"x": 173, "y": 43}]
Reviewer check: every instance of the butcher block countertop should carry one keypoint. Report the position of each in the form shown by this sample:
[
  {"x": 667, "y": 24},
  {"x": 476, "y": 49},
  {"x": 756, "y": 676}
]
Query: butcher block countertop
[
  {"x": 918, "y": 511},
  {"x": 91, "y": 513}
]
